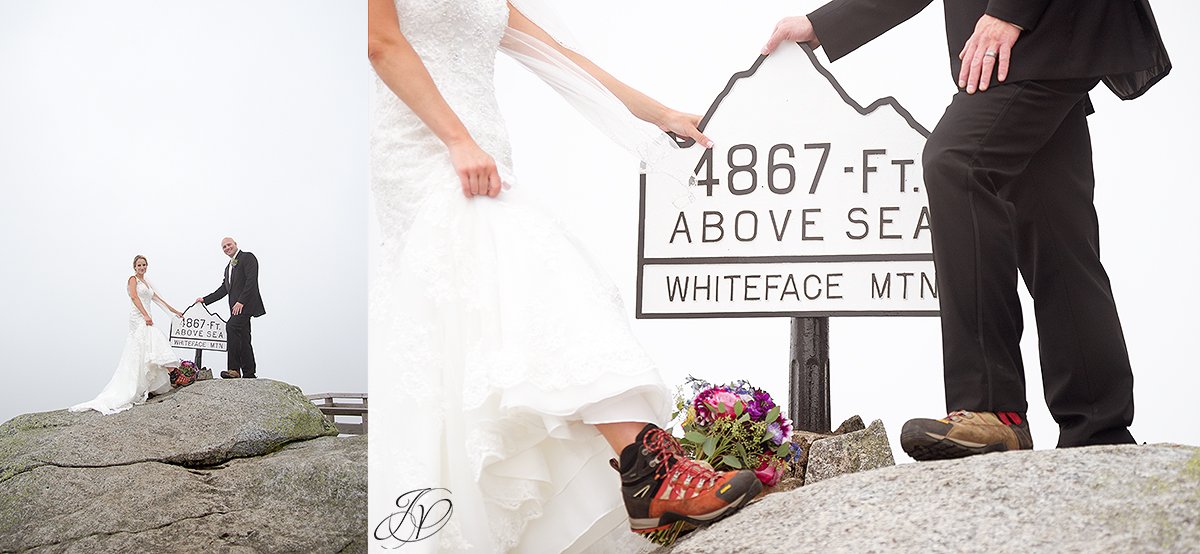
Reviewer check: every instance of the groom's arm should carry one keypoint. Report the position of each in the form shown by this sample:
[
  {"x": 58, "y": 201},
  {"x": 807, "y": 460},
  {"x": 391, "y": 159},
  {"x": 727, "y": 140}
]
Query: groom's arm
[
  {"x": 216, "y": 294},
  {"x": 844, "y": 25}
]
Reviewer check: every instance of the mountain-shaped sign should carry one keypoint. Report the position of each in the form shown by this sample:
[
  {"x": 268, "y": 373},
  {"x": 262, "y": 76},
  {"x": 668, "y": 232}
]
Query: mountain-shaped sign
[
  {"x": 810, "y": 204},
  {"x": 199, "y": 329}
]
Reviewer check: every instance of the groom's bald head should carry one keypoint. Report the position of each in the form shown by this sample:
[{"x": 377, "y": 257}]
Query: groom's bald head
[{"x": 229, "y": 246}]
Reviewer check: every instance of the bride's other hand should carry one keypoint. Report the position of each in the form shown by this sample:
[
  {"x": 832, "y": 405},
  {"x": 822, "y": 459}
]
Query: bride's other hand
[
  {"x": 475, "y": 168},
  {"x": 684, "y": 125},
  {"x": 149, "y": 321},
  {"x": 794, "y": 29}
]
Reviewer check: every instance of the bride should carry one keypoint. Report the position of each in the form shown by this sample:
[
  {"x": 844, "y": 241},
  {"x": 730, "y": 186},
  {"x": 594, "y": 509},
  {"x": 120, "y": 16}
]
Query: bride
[
  {"x": 147, "y": 357},
  {"x": 508, "y": 372}
]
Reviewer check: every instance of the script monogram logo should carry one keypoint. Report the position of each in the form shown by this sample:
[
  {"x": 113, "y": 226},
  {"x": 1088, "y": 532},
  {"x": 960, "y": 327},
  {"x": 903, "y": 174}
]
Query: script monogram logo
[{"x": 423, "y": 512}]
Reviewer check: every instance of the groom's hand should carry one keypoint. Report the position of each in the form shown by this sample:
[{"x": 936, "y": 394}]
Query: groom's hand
[
  {"x": 199, "y": 300},
  {"x": 988, "y": 49},
  {"x": 794, "y": 29},
  {"x": 237, "y": 309}
]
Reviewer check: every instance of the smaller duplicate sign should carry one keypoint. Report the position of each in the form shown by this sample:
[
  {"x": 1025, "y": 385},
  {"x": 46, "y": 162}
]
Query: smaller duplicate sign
[
  {"x": 199, "y": 329},
  {"x": 810, "y": 204}
]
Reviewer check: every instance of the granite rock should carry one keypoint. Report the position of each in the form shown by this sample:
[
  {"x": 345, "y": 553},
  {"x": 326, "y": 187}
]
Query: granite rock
[
  {"x": 218, "y": 466},
  {"x": 849, "y": 453},
  {"x": 1095, "y": 499}
]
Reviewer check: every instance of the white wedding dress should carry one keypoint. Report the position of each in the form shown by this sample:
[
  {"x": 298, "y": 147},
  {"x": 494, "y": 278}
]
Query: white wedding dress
[
  {"x": 494, "y": 343},
  {"x": 145, "y": 361}
]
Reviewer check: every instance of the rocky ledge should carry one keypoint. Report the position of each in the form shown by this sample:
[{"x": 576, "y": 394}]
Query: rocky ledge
[
  {"x": 1096, "y": 499},
  {"x": 218, "y": 466}
]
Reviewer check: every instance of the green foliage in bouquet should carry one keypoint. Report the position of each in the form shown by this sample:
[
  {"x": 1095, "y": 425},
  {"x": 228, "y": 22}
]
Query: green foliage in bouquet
[{"x": 736, "y": 426}]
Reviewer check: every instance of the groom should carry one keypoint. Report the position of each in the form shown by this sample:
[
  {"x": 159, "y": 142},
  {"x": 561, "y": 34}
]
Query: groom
[
  {"x": 1010, "y": 181},
  {"x": 240, "y": 283}
]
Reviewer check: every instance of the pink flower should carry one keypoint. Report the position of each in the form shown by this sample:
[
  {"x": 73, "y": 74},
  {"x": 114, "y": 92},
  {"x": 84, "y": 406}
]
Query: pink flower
[
  {"x": 722, "y": 398},
  {"x": 769, "y": 472}
]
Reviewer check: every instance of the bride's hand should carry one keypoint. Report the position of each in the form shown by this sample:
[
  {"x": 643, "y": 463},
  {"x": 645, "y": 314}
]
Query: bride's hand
[
  {"x": 149, "y": 321},
  {"x": 684, "y": 125},
  {"x": 476, "y": 169}
]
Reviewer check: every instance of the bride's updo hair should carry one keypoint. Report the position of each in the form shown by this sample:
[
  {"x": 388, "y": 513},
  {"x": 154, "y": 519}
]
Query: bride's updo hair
[{"x": 140, "y": 257}]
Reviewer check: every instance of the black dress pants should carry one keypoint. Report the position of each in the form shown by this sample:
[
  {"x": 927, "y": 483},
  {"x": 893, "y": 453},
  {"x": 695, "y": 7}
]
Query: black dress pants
[
  {"x": 1009, "y": 177},
  {"x": 241, "y": 354}
]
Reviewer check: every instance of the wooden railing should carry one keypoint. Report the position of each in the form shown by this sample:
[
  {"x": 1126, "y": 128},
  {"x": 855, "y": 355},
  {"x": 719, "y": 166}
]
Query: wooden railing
[{"x": 349, "y": 404}]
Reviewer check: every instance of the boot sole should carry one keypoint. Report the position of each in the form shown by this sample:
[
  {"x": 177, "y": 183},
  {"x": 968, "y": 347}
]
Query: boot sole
[
  {"x": 668, "y": 519},
  {"x": 925, "y": 446}
]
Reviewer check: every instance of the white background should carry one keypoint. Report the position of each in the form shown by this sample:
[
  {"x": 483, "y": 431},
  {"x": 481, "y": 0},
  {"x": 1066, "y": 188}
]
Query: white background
[
  {"x": 683, "y": 51},
  {"x": 142, "y": 127},
  {"x": 155, "y": 128}
]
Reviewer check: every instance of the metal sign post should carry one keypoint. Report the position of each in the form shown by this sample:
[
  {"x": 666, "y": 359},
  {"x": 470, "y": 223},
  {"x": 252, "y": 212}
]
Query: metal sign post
[{"x": 808, "y": 380}]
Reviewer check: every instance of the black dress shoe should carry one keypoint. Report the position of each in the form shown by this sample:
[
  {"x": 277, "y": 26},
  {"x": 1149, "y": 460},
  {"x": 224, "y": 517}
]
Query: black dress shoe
[{"x": 231, "y": 374}]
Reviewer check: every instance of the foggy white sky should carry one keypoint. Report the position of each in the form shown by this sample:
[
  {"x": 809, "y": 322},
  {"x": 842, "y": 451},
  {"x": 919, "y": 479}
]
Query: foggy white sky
[
  {"x": 158, "y": 128},
  {"x": 152, "y": 128},
  {"x": 682, "y": 53}
]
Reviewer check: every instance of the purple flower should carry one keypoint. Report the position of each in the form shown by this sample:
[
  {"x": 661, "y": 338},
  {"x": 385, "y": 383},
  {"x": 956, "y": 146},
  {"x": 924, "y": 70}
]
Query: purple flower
[
  {"x": 741, "y": 388},
  {"x": 785, "y": 425},
  {"x": 793, "y": 452},
  {"x": 759, "y": 405},
  {"x": 775, "y": 431}
]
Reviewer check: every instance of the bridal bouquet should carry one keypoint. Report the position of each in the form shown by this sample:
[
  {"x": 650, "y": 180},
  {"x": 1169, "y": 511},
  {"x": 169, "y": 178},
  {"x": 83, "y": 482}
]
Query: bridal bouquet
[
  {"x": 183, "y": 375},
  {"x": 736, "y": 426}
]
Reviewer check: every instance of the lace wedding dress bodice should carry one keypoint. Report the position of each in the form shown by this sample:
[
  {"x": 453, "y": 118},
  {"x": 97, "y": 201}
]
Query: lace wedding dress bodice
[
  {"x": 146, "y": 295},
  {"x": 495, "y": 344},
  {"x": 457, "y": 40}
]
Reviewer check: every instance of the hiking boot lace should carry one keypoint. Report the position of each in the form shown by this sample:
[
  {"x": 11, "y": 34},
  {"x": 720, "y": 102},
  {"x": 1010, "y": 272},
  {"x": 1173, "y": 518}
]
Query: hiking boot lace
[
  {"x": 681, "y": 474},
  {"x": 958, "y": 415}
]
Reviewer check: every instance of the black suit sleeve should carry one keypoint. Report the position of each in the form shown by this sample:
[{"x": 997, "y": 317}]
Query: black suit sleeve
[
  {"x": 216, "y": 294},
  {"x": 844, "y": 25},
  {"x": 249, "y": 266},
  {"x": 1022, "y": 13}
]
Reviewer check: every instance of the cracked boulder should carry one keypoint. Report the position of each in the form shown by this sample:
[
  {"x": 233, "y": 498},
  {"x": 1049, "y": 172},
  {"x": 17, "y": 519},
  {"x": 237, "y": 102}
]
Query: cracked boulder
[
  {"x": 206, "y": 423},
  {"x": 219, "y": 466}
]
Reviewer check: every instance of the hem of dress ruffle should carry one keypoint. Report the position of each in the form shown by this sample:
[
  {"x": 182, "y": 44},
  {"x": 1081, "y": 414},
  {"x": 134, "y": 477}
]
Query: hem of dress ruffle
[
  {"x": 569, "y": 425},
  {"x": 574, "y": 425},
  {"x": 84, "y": 408}
]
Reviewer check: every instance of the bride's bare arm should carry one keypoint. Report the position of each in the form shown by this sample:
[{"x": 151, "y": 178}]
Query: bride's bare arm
[
  {"x": 642, "y": 106},
  {"x": 166, "y": 306},
  {"x": 401, "y": 69},
  {"x": 131, "y": 287}
]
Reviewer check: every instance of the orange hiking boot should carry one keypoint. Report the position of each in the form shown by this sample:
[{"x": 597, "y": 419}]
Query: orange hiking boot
[
  {"x": 667, "y": 493},
  {"x": 964, "y": 434}
]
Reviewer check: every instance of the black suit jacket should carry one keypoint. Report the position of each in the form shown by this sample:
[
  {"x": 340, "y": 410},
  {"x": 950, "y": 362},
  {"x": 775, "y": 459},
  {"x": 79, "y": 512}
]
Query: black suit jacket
[
  {"x": 1116, "y": 40},
  {"x": 243, "y": 288}
]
